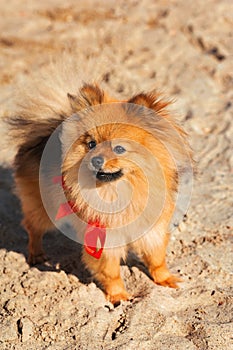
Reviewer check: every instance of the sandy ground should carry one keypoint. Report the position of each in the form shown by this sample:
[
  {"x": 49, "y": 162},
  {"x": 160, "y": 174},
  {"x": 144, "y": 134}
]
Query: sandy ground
[{"x": 185, "y": 49}]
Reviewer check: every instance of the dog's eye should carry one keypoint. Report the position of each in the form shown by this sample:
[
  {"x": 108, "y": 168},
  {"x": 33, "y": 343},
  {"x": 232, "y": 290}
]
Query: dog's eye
[
  {"x": 91, "y": 144},
  {"x": 119, "y": 150}
]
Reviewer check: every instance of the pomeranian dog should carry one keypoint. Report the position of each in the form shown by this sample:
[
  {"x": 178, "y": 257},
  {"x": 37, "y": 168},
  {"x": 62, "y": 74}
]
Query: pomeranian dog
[{"x": 115, "y": 179}]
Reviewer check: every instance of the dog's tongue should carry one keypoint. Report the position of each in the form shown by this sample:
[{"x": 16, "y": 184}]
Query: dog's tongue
[{"x": 94, "y": 239}]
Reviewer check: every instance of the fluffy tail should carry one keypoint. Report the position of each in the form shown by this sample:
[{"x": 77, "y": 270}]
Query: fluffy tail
[{"x": 45, "y": 102}]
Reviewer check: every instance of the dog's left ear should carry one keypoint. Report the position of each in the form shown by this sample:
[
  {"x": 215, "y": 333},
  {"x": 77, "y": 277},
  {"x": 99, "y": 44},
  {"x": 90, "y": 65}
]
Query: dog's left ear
[
  {"x": 89, "y": 95},
  {"x": 150, "y": 100}
]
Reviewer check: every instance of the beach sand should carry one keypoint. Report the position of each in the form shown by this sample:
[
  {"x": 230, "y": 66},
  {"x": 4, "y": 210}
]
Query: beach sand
[{"x": 183, "y": 48}]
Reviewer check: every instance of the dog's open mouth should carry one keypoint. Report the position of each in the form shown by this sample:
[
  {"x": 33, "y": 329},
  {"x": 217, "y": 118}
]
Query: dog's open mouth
[{"x": 108, "y": 177}]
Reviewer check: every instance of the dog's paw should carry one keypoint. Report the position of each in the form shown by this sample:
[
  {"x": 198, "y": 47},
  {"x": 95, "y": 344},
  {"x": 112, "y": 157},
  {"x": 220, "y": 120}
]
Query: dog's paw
[
  {"x": 171, "y": 282},
  {"x": 162, "y": 276},
  {"x": 115, "y": 299},
  {"x": 36, "y": 259}
]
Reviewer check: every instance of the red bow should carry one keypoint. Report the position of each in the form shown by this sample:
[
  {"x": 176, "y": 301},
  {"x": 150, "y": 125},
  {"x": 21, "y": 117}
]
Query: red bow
[{"x": 95, "y": 234}]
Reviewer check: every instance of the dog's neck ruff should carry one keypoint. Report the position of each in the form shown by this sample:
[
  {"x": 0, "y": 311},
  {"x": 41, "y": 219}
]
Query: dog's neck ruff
[{"x": 95, "y": 233}]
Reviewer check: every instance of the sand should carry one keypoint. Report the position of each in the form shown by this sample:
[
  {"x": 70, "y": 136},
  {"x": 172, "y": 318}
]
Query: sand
[{"x": 183, "y": 48}]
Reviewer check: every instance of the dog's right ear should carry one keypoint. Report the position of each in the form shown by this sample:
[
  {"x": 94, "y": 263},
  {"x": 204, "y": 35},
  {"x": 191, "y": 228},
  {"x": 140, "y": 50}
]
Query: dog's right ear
[
  {"x": 150, "y": 100},
  {"x": 89, "y": 95}
]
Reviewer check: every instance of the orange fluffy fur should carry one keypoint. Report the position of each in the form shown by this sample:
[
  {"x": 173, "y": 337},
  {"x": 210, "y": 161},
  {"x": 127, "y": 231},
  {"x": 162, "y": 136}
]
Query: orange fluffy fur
[{"x": 40, "y": 114}]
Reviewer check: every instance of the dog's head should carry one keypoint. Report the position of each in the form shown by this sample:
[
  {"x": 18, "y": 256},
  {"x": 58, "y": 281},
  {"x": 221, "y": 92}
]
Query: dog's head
[{"x": 110, "y": 137}]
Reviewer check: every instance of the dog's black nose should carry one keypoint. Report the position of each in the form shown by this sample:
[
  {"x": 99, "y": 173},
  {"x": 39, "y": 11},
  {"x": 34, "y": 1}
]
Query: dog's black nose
[{"x": 97, "y": 162}]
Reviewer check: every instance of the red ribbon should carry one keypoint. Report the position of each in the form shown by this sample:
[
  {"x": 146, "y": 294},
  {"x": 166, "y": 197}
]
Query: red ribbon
[
  {"x": 95, "y": 234},
  {"x": 94, "y": 239}
]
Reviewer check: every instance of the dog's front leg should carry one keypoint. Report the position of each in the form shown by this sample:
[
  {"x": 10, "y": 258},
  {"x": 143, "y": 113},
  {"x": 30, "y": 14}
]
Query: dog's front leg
[{"x": 106, "y": 272}]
